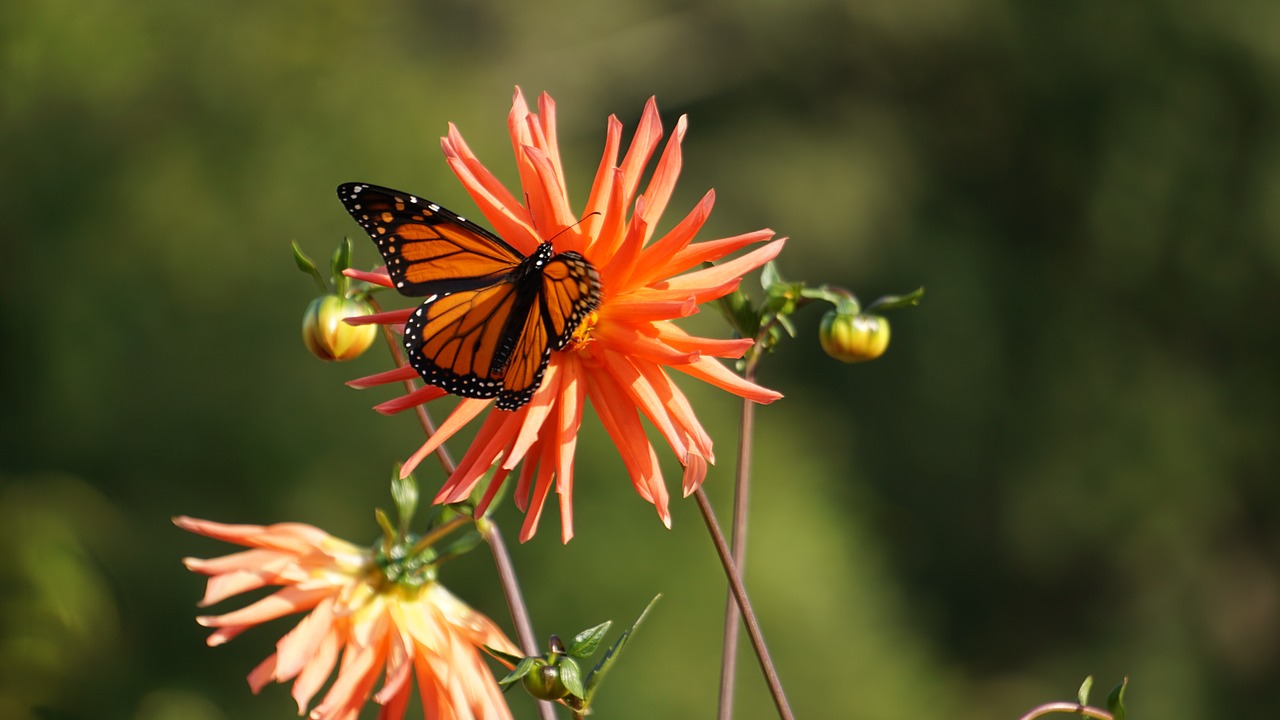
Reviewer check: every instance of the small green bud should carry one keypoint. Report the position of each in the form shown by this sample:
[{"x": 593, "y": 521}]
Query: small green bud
[
  {"x": 543, "y": 681},
  {"x": 328, "y": 337},
  {"x": 854, "y": 338}
]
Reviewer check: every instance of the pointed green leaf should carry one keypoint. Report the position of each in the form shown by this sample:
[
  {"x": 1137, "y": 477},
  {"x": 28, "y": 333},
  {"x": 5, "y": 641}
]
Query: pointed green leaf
[
  {"x": 388, "y": 530},
  {"x": 1115, "y": 700},
  {"x": 891, "y": 302},
  {"x": 1082, "y": 695},
  {"x": 769, "y": 275},
  {"x": 506, "y": 658},
  {"x": 464, "y": 544},
  {"x": 522, "y": 668},
  {"x": 585, "y": 643},
  {"x": 736, "y": 308},
  {"x": 611, "y": 656},
  {"x": 341, "y": 257},
  {"x": 787, "y": 324},
  {"x": 404, "y": 491},
  {"x": 571, "y": 676},
  {"x": 305, "y": 265}
]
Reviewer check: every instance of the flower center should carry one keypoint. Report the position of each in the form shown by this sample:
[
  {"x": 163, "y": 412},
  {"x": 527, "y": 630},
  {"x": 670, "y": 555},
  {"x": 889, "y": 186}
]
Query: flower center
[{"x": 582, "y": 335}]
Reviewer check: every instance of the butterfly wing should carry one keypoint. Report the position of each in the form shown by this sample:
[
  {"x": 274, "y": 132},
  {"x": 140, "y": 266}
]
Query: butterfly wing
[
  {"x": 492, "y": 316},
  {"x": 427, "y": 248},
  {"x": 568, "y": 289},
  {"x": 454, "y": 340}
]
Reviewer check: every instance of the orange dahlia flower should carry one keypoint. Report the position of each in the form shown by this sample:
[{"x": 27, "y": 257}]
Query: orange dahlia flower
[
  {"x": 374, "y": 624},
  {"x": 619, "y": 356}
]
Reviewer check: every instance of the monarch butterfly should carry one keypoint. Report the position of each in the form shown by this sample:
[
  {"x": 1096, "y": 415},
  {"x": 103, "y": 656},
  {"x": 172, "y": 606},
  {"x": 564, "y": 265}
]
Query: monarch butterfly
[{"x": 491, "y": 316}]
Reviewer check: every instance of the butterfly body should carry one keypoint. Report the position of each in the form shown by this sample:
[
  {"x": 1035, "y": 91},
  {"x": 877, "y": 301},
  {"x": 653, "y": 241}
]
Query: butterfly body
[{"x": 492, "y": 316}]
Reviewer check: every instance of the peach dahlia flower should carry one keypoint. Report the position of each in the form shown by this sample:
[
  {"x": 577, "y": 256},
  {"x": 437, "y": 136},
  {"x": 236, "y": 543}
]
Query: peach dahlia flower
[
  {"x": 377, "y": 627},
  {"x": 621, "y": 353}
]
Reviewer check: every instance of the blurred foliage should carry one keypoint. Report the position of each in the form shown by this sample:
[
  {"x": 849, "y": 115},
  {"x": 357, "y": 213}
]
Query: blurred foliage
[{"x": 1065, "y": 464}]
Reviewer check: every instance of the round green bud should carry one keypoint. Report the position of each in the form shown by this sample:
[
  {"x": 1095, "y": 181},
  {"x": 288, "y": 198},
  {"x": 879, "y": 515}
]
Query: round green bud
[
  {"x": 854, "y": 338},
  {"x": 543, "y": 681},
  {"x": 328, "y": 337}
]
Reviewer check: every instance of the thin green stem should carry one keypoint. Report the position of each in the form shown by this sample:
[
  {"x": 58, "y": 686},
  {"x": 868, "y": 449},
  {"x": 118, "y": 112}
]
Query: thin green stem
[
  {"x": 741, "y": 493},
  {"x": 437, "y": 534},
  {"x": 1069, "y": 708},
  {"x": 744, "y": 604}
]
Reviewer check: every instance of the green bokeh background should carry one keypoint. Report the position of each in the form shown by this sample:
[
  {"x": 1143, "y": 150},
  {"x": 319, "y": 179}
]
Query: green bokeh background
[{"x": 1065, "y": 464}]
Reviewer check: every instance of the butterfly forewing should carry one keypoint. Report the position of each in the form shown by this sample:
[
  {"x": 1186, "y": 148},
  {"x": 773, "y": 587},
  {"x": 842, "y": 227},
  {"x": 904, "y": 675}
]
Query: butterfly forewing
[
  {"x": 427, "y": 248},
  {"x": 492, "y": 316}
]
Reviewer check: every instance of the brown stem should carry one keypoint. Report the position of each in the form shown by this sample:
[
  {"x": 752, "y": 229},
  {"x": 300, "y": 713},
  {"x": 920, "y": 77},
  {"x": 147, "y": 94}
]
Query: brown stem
[
  {"x": 744, "y": 604},
  {"x": 428, "y": 427},
  {"x": 488, "y": 530},
  {"x": 515, "y": 600},
  {"x": 741, "y": 491},
  {"x": 1066, "y": 707}
]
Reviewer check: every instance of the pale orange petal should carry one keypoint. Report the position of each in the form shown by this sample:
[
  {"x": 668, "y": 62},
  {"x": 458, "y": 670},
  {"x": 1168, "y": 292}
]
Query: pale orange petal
[
  {"x": 572, "y": 396},
  {"x": 708, "y": 251},
  {"x": 663, "y": 182},
  {"x": 379, "y": 277},
  {"x": 607, "y": 180},
  {"x": 316, "y": 671},
  {"x": 727, "y": 271},
  {"x": 424, "y": 394},
  {"x": 643, "y": 396},
  {"x": 298, "y": 646},
  {"x": 398, "y": 374},
  {"x": 536, "y": 412},
  {"x": 496, "y": 433},
  {"x": 465, "y": 412},
  {"x": 656, "y": 257},
  {"x": 390, "y": 317},
  {"x": 682, "y": 341},
  {"x": 711, "y": 371},
  {"x": 643, "y": 143},
  {"x": 542, "y": 485},
  {"x": 285, "y": 601}
]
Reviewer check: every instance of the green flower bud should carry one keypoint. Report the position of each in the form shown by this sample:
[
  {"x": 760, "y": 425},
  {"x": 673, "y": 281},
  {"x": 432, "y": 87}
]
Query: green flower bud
[
  {"x": 543, "y": 681},
  {"x": 854, "y": 338},
  {"x": 328, "y": 337}
]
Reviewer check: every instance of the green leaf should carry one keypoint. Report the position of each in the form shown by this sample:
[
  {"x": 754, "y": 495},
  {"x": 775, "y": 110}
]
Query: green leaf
[
  {"x": 388, "y": 530},
  {"x": 891, "y": 302},
  {"x": 1115, "y": 700},
  {"x": 769, "y": 275},
  {"x": 786, "y": 323},
  {"x": 736, "y": 308},
  {"x": 585, "y": 643},
  {"x": 521, "y": 669},
  {"x": 508, "y": 658},
  {"x": 341, "y": 257},
  {"x": 571, "y": 676},
  {"x": 404, "y": 491},
  {"x": 611, "y": 656},
  {"x": 307, "y": 266},
  {"x": 464, "y": 544},
  {"x": 1082, "y": 695}
]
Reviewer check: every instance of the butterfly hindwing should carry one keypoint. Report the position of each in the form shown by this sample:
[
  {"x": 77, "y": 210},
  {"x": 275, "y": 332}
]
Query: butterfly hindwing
[{"x": 492, "y": 316}]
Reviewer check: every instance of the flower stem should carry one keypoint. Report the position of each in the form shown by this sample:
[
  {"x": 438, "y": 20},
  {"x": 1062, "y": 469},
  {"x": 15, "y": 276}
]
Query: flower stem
[
  {"x": 744, "y": 604},
  {"x": 1066, "y": 707},
  {"x": 515, "y": 600},
  {"x": 488, "y": 530},
  {"x": 741, "y": 491},
  {"x": 429, "y": 427}
]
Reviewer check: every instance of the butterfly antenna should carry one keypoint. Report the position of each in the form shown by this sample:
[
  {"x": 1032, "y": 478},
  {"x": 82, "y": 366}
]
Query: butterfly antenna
[{"x": 565, "y": 230}]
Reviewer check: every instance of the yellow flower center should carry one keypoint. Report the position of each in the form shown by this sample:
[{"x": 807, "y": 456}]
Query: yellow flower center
[{"x": 582, "y": 335}]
